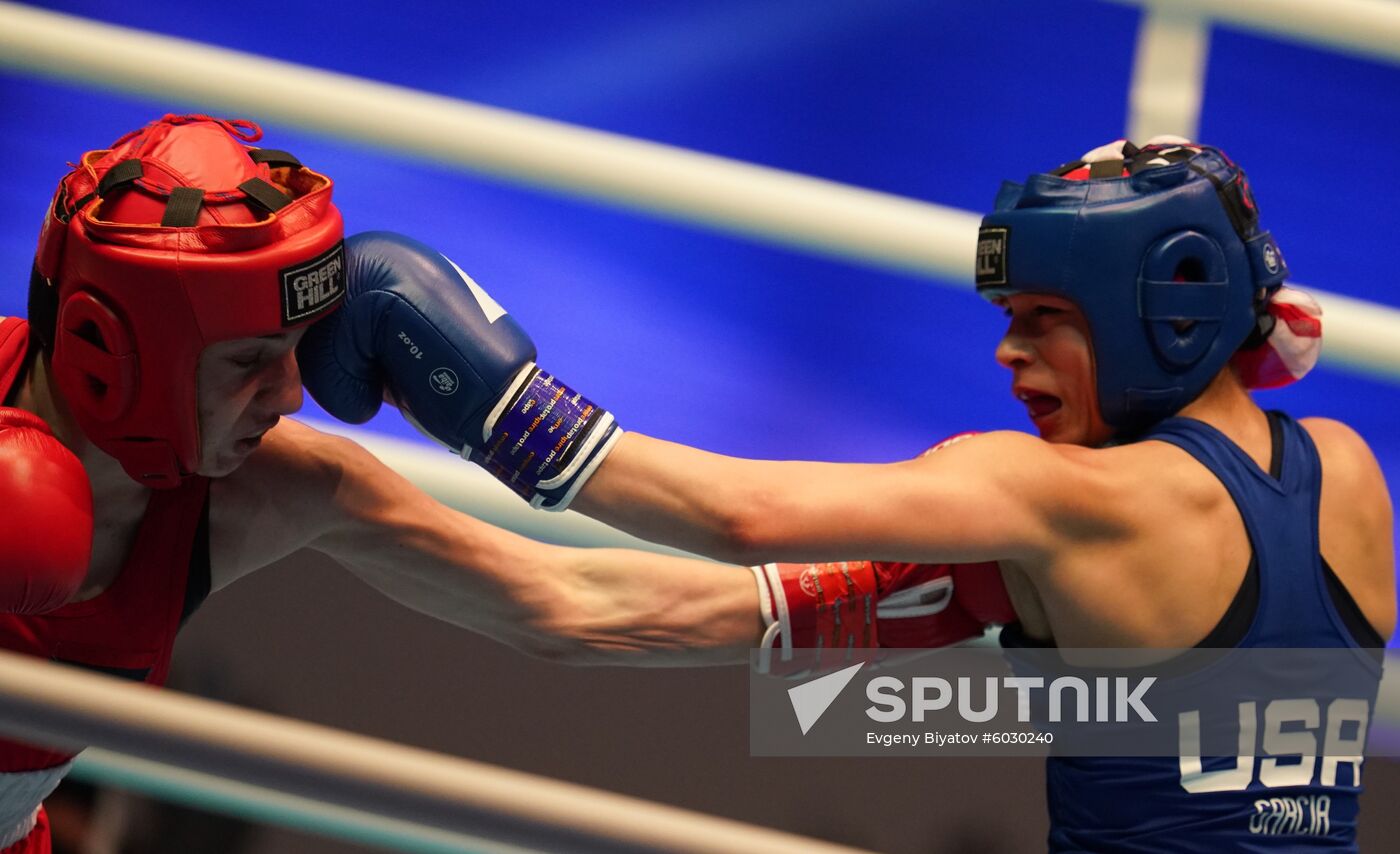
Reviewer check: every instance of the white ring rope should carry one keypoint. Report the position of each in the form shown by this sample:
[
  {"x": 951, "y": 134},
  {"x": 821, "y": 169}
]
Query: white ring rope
[
  {"x": 214, "y": 794},
  {"x": 1169, "y": 70},
  {"x": 507, "y": 811},
  {"x": 781, "y": 207},
  {"x": 819, "y": 215},
  {"x": 1367, "y": 27}
]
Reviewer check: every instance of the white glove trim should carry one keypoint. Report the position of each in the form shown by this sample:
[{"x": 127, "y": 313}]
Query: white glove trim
[
  {"x": 582, "y": 455},
  {"x": 914, "y": 601},
  {"x": 766, "y": 609},
  {"x": 782, "y": 617},
  {"x": 489, "y": 425},
  {"x": 563, "y": 503}
]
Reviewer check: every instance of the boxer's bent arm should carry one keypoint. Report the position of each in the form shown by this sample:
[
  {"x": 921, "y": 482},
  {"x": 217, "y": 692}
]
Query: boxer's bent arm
[
  {"x": 582, "y": 606},
  {"x": 990, "y": 497}
]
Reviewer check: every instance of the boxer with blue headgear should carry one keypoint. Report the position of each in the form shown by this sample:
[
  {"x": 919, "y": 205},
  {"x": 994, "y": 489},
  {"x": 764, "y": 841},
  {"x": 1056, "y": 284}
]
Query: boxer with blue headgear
[
  {"x": 1161, "y": 250},
  {"x": 1155, "y": 510}
]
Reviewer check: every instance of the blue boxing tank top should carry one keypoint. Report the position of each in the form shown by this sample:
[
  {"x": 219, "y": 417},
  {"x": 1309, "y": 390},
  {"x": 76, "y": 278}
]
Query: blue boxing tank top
[{"x": 1290, "y": 598}]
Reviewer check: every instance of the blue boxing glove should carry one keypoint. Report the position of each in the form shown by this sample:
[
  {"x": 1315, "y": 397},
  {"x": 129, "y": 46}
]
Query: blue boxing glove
[{"x": 417, "y": 330}]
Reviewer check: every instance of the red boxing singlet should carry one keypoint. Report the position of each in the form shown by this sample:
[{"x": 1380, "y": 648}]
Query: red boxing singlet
[{"x": 129, "y": 629}]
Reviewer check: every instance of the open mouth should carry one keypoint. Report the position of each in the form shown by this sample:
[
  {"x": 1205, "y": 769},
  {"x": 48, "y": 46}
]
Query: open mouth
[{"x": 1039, "y": 405}]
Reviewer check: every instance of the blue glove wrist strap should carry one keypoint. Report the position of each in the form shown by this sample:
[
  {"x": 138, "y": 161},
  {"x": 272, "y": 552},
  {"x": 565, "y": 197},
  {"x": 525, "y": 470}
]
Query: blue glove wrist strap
[{"x": 544, "y": 439}]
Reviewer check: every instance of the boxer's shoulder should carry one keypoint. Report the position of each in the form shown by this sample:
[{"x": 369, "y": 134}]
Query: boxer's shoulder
[
  {"x": 294, "y": 462},
  {"x": 1062, "y": 496},
  {"x": 280, "y": 500},
  {"x": 1347, "y": 461},
  {"x": 1354, "y": 494},
  {"x": 1159, "y": 472},
  {"x": 1355, "y": 520},
  {"x": 1064, "y": 479}
]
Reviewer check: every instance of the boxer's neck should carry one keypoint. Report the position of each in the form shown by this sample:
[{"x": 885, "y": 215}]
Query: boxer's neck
[{"x": 1227, "y": 406}]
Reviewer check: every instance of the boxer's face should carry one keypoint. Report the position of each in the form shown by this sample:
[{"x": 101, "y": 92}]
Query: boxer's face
[
  {"x": 1047, "y": 349},
  {"x": 244, "y": 386}
]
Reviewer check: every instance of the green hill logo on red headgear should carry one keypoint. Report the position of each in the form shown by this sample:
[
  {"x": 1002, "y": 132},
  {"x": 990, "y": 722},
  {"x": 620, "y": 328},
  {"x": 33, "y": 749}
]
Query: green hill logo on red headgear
[{"x": 311, "y": 288}]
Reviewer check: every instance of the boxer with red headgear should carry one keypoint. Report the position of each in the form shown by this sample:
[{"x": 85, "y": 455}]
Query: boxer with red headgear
[
  {"x": 176, "y": 243},
  {"x": 178, "y": 237},
  {"x": 176, "y": 273}
]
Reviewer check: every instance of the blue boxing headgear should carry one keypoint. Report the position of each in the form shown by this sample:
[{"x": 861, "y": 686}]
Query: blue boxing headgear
[{"x": 1162, "y": 252}]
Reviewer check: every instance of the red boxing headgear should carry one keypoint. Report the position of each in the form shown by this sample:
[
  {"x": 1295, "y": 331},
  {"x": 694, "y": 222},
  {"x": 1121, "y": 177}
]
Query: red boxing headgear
[{"x": 177, "y": 237}]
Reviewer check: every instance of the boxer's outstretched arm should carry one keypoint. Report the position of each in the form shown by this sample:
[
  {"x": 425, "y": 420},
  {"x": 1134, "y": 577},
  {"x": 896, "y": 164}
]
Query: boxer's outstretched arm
[
  {"x": 992, "y": 497},
  {"x": 580, "y": 606}
]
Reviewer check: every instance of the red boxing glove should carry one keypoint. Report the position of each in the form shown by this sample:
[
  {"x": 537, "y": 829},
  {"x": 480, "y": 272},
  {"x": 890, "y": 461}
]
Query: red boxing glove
[
  {"x": 862, "y": 604},
  {"x": 46, "y": 530},
  {"x": 982, "y": 593}
]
